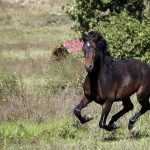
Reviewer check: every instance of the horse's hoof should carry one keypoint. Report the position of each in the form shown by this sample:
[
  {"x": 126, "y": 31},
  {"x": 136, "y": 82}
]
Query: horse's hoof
[
  {"x": 107, "y": 128},
  {"x": 86, "y": 118},
  {"x": 131, "y": 126},
  {"x": 114, "y": 126}
]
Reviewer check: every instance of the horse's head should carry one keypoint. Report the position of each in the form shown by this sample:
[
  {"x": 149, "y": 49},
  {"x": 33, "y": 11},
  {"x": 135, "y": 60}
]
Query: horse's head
[{"x": 93, "y": 46}]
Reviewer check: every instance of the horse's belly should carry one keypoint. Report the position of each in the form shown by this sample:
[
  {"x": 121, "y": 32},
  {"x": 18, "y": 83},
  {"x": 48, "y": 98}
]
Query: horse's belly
[
  {"x": 99, "y": 101},
  {"x": 125, "y": 92}
]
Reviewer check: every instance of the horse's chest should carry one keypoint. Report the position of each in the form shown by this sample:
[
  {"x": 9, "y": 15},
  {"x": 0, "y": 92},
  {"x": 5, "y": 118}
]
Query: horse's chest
[
  {"x": 91, "y": 90},
  {"x": 97, "y": 91}
]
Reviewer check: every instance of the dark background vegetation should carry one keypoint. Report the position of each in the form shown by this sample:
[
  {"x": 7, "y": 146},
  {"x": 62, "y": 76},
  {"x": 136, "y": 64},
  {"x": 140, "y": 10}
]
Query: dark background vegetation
[{"x": 124, "y": 23}]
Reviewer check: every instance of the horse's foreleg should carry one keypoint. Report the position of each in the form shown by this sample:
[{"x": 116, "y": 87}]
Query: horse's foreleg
[
  {"x": 106, "y": 107},
  {"x": 77, "y": 110},
  {"x": 127, "y": 106}
]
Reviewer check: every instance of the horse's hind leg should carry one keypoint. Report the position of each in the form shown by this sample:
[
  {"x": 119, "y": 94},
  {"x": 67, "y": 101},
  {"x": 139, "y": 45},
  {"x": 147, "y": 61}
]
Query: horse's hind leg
[
  {"x": 127, "y": 106},
  {"x": 144, "y": 102},
  {"x": 77, "y": 110}
]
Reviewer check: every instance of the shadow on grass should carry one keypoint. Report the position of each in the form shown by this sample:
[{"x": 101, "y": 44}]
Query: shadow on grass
[
  {"x": 112, "y": 136},
  {"x": 139, "y": 135},
  {"x": 116, "y": 136}
]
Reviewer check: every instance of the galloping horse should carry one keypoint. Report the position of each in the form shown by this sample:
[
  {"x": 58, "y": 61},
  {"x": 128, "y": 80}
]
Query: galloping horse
[{"x": 110, "y": 80}]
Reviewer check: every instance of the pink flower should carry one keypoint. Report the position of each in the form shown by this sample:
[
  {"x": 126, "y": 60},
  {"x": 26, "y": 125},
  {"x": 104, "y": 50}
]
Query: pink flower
[{"x": 73, "y": 46}]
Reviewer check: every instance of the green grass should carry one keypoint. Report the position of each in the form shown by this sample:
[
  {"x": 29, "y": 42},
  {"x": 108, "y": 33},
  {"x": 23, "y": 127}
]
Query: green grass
[
  {"x": 68, "y": 133},
  {"x": 27, "y": 132}
]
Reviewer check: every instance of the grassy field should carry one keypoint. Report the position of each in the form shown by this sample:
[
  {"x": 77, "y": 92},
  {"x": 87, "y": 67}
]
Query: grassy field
[{"x": 38, "y": 93}]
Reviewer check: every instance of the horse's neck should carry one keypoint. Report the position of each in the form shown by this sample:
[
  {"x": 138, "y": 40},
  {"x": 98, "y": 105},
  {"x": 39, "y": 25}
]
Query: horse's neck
[
  {"x": 100, "y": 66},
  {"x": 105, "y": 62},
  {"x": 95, "y": 72},
  {"x": 103, "y": 65}
]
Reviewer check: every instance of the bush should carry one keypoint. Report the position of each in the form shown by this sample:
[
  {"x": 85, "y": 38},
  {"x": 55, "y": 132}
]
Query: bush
[
  {"x": 127, "y": 36},
  {"x": 125, "y": 24},
  {"x": 9, "y": 86}
]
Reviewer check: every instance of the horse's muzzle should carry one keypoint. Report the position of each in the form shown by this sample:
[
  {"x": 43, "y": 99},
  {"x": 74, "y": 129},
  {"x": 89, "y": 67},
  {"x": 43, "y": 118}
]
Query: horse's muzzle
[{"x": 89, "y": 68}]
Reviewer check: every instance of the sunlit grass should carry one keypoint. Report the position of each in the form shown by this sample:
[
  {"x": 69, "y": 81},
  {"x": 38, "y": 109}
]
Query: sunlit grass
[{"x": 67, "y": 133}]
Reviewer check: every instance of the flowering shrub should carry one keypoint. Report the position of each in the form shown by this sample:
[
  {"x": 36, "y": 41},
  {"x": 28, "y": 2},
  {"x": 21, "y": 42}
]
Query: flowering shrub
[{"x": 73, "y": 46}]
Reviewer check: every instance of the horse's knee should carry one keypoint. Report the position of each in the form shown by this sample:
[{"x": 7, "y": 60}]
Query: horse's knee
[{"x": 130, "y": 106}]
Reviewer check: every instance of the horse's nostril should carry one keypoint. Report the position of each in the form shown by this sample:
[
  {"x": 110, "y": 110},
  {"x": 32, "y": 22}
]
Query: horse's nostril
[{"x": 89, "y": 67}]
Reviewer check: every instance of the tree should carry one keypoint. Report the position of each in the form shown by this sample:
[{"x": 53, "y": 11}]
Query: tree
[{"x": 124, "y": 23}]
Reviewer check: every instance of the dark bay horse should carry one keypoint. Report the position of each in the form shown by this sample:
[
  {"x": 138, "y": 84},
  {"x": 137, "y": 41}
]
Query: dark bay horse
[{"x": 110, "y": 80}]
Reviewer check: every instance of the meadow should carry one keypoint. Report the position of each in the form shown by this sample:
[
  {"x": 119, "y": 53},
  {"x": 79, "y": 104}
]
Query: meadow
[{"x": 38, "y": 93}]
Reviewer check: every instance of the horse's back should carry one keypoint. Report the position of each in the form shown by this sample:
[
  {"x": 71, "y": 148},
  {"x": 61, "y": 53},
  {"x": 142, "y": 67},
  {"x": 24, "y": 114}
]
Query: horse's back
[
  {"x": 133, "y": 68},
  {"x": 133, "y": 77}
]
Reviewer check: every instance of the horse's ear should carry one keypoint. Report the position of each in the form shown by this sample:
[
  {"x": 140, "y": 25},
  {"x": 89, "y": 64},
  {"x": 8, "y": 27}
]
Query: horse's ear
[
  {"x": 96, "y": 37},
  {"x": 84, "y": 35}
]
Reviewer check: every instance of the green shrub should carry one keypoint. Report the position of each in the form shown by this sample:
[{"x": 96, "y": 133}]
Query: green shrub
[
  {"x": 125, "y": 24},
  {"x": 127, "y": 36}
]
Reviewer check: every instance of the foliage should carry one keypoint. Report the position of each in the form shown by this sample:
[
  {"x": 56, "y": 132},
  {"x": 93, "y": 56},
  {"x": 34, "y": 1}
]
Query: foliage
[
  {"x": 127, "y": 37},
  {"x": 125, "y": 24}
]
